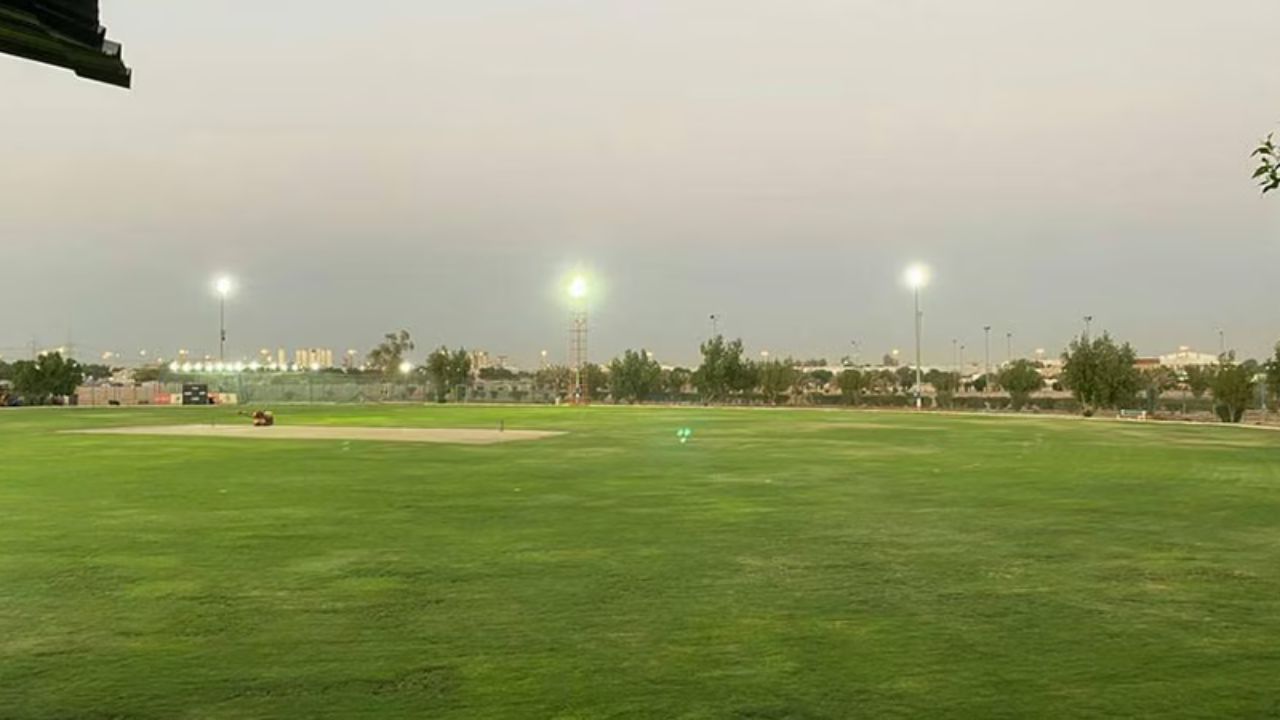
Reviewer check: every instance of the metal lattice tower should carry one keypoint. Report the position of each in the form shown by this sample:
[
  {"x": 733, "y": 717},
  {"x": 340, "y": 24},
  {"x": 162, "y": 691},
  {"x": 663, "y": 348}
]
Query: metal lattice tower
[{"x": 578, "y": 353}]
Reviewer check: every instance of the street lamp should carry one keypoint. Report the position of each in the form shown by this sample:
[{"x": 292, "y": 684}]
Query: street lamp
[
  {"x": 917, "y": 277},
  {"x": 223, "y": 286}
]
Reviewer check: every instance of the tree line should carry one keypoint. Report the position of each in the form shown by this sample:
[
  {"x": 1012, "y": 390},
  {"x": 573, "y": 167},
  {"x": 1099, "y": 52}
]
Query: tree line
[{"x": 1100, "y": 374}]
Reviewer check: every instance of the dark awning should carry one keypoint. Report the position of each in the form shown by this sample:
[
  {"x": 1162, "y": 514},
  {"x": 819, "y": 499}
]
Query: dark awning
[{"x": 65, "y": 33}]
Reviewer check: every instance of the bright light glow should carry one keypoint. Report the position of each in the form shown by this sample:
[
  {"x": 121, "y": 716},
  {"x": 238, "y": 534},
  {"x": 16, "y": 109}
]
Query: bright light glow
[
  {"x": 186, "y": 367},
  {"x": 173, "y": 366},
  {"x": 406, "y": 367},
  {"x": 254, "y": 366},
  {"x": 917, "y": 277},
  {"x": 578, "y": 288},
  {"x": 315, "y": 367},
  {"x": 239, "y": 367},
  {"x": 223, "y": 285}
]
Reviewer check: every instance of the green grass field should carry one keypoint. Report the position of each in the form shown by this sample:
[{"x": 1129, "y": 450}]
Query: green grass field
[{"x": 783, "y": 564}]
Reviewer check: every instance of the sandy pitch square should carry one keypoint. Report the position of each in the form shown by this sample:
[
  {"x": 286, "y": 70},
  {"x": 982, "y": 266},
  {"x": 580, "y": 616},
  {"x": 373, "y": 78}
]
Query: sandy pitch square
[{"x": 455, "y": 436}]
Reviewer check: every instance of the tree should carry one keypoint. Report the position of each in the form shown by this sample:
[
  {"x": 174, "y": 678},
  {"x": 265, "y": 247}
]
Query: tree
[
  {"x": 151, "y": 373},
  {"x": 1232, "y": 387},
  {"x": 945, "y": 385},
  {"x": 853, "y": 383},
  {"x": 48, "y": 376},
  {"x": 776, "y": 378},
  {"x": 1100, "y": 373},
  {"x": 822, "y": 377},
  {"x": 387, "y": 357},
  {"x": 595, "y": 380},
  {"x": 1157, "y": 381},
  {"x": 904, "y": 378},
  {"x": 1020, "y": 379},
  {"x": 1272, "y": 370},
  {"x": 889, "y": 360},
  {"x": 496, "y": 373},
  {"x": 1268, "y": 171},
  {"x": 6, "y": 371},
  {"x": 449, "y": 371},
  {"x": 1198, "y": 380},
  {"x": 555, "y": 378},
  {"x": 97, "y": 371},
  {"x": 722, "y": 371},
  {"x": 675, "y": 380},
  {"x": 634, "y": 377},
  {"x": 982, "y": 382}
]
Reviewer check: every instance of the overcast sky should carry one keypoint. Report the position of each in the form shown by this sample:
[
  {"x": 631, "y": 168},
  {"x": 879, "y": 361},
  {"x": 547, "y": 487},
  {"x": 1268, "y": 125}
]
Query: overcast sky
[{"x": 440, "y": 166}]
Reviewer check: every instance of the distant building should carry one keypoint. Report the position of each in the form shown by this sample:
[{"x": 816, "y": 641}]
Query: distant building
[
  {"x": 1186, "y": 357},
  {"x": 480, "y": 360},
  {"x": 319, "y": 358}
]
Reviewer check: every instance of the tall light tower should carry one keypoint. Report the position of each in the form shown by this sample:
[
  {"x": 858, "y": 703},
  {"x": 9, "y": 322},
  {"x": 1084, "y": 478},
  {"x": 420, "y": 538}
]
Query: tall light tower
[
  {"x": 223, "y": 286},
  {"x": 578, "y": 338},
  {"x": 986, "y": 361},
  {"x": 1088, "y": 327},
  {"x": 917, "y": 277},
  {"x": 1008, "y": 347}
]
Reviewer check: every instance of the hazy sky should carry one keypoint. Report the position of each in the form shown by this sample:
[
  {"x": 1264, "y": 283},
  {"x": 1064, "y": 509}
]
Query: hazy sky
[{"x": 440, "y": 166}]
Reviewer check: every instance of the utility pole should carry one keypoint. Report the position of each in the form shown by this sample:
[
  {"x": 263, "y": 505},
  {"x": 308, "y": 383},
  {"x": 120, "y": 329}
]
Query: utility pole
[{"x": 1008, "y": 339}]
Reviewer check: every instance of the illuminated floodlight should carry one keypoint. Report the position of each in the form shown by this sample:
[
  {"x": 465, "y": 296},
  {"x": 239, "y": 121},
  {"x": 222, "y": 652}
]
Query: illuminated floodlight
[
  {"x": 578, "y": 287},
  {"x": 917, "y": 276},
  {"x": 406, "y": 367},
  {"x": 186, "y": 367},
  {"x": 315, "y": 367},
  {"x": 174, "y": 366},
  {"x": 254, "y": 366},
  {"x": 239, "y": 367},
  {"x": 223, "y": 286}
]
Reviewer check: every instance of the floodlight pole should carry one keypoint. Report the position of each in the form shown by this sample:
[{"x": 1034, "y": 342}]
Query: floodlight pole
[
  {"x": 919, "y": 373},
  {"x": 222, "y": 327},
  {"x": 578, "y": 350},
  {"x": 986, "y": 362}
]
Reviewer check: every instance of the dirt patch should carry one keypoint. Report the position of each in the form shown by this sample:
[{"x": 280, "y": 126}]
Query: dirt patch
[{"x": 453, "y": 436}]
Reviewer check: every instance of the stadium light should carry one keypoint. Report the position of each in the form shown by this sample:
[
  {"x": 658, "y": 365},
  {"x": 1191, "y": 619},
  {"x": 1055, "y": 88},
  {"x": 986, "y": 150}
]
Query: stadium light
[
  {"x": 223, "y": 285},
  {"x": 406, "y": 367},
  {"x": 578, "y": 337},
  {"x": 917, "y": 276}
]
